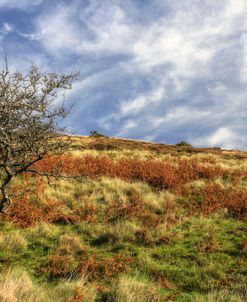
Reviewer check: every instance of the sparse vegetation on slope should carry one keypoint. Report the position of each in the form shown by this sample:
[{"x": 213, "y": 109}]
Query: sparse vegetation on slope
[{"x": 149, "y": 222}]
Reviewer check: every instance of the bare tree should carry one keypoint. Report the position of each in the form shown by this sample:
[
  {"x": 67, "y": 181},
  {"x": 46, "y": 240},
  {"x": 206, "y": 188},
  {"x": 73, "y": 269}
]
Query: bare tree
[{"x": 29, "y": 121}]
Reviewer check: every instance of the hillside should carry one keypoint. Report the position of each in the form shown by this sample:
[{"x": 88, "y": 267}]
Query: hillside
[{"x": 142, "y": 222}]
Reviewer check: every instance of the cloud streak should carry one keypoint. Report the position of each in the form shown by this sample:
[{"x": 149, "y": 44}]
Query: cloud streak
[{"x": 16, "y": 4}]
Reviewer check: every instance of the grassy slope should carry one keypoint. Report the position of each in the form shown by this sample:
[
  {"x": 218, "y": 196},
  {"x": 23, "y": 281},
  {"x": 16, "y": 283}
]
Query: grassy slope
[{"x": 122, "y": 237}]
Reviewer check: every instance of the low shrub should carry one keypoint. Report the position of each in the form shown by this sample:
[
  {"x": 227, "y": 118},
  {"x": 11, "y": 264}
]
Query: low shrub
[
  {"x": 94, "y": 269},
  {"x": 158, "y": 174},
  {"x": 183, "y": 144},
  {"x": 214, "y": 197},
  {"x": 61, "y": 266},
  {"x": 95, "y": 133}
]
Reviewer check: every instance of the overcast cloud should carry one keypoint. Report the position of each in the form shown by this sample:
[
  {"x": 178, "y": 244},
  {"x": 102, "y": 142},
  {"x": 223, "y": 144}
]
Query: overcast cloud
[{"x": 161, "y": 70}]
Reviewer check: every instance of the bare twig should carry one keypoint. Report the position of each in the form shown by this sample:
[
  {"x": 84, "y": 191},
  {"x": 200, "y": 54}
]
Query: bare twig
[{"x": 29, "y": 121}]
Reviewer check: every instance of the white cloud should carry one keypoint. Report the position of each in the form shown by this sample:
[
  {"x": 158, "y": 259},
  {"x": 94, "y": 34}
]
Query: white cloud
[
  {"x": 7, "y": 27},
  {"x": 134, "y": 106},
  {"x": 235, "y": 8},
  {"x": 63, "y": 30},
  {"x": 127, "y": 127},
  {"x": 224, "y": 137},
  {"x": 58, "y": 32},
  {"x": 190, "y": 59},
  {"x": 10, "y": 28},
  {"x": 28, "y": 36},
  {"x": 183, "y": 42},
  {"x": 182, "y": 115},
  {"x": 243, "y": 74},
  {"x": 20, "y": 4}
]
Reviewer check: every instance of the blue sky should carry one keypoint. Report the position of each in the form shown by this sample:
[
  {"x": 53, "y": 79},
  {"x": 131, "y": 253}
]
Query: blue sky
[{"x": 160, "y": 70}]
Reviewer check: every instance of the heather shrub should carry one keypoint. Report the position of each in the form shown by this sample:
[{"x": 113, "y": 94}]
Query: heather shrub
[
  {"x": 214, "y": 197},
  {"x": 94, "y": 268},
  {"x": 26, "y": 213},
  {"x": 61, "y": 266},
  {"x": 158, "y": 174}
]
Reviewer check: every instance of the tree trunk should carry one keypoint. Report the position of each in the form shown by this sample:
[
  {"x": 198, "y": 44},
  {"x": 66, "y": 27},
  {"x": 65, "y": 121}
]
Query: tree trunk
[
  {"x": 3, "y": 200},
  {"x": 3, "y": 189}
]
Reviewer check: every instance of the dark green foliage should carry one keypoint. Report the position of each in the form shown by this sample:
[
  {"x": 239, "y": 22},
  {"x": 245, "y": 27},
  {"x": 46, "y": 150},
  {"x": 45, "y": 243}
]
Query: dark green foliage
[
  {"x": 183, "y": 144},
  {"x": 95, "y": 133}
]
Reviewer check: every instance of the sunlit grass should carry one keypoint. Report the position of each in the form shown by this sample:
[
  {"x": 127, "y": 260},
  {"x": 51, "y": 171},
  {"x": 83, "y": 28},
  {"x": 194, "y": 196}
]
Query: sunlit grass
[{"x": 110, "y": 238}]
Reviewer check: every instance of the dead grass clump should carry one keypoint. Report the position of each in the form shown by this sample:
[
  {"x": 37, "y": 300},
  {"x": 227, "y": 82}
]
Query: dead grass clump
[
  {"x": 130, "y": 289},
  {"x": 24, "y": 213},
  {"x": 121, "y": 210},
  {"x": 222, "y": 296},
  {"x": 63, "y": 260},
  {"x": 86, "y": 293},
  {"x": 27, "y": 212},
  {"x": 94, "y": 269},
  {"x": 194, "y": 169},
  {"x": 69, "y": 244},
  {"x": 17, "y": 286},
  {"x": 13, "y": 242},
  {"x": 124, "y": 231},
  {"x": 158, "y": 174},
  {"x": 87, "y": 166},
  {"x": 88, "y": 212},
  {"x": 144, "y": 237},
  {"x": 208, "y": 243},
  {"x": 214, "y": 197},
  {"x": 161, "y": 279},
  {"x": 61, "y": 266},
  {"x": 57, "y": 212}
]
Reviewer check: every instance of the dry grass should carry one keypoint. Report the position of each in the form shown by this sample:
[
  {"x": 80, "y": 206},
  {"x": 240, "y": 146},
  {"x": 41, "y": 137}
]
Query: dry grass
[
  {"x": 13, "y": 242},
  {"x": 17, "y": 286},
  {"x": 222, "y": 296},
  {"x": 173, "y": 217},
  {"x": 130, "y": 289}
]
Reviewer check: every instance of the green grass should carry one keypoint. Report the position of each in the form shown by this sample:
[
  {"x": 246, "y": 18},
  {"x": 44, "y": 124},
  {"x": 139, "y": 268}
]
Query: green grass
[
  {"x": 176, "y": 254},
  {"x": 184, "y": 260}
]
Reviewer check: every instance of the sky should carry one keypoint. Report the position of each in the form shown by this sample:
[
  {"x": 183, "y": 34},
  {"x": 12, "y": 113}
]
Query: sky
[{"x": 157, "y": 70}]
